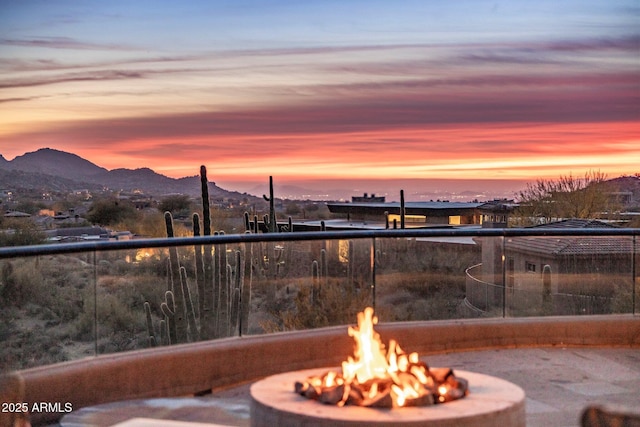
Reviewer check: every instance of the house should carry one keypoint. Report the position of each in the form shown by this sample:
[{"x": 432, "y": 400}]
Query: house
[
  {"x": 583, "y": 273},
  {"x": 495, "y": 213},
  {"x": 16, "y": 214},
  {"x": 368, "y": 199},
  {"x": 77, "y": 234},
  {"x": 417, "y": 214}
]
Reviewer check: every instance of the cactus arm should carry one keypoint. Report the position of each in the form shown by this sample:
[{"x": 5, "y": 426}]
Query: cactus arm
[
  {"x": 150, "y": 332},
  {"x": 168, "y": 309}
]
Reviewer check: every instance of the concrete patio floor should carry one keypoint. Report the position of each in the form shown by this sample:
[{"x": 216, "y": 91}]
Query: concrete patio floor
[{"x": 559, "y": 383}]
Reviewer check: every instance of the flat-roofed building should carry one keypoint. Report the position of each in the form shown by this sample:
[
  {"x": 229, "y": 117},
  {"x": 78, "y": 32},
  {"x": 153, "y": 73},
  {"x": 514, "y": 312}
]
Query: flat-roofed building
[{"x": 417, "y": 214}]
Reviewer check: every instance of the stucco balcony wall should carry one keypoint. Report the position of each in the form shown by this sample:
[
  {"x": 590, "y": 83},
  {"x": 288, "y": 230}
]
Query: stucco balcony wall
[{"x": 193, "y": 368}]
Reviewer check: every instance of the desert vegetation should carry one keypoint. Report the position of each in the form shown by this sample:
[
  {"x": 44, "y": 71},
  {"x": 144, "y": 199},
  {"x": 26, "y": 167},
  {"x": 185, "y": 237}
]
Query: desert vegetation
[{"x": 64, "y": 307}]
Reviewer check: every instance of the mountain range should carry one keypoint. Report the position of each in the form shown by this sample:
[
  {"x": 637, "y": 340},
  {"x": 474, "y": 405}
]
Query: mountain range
[
  {"x": 50, "y": 170},
  {"x": 53, "y": 170}
]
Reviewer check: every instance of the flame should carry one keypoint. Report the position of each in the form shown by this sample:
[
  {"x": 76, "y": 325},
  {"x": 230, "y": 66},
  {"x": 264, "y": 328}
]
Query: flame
[
  {"x": 372, "y": 374},
  {"x": 370, "y": 360}
]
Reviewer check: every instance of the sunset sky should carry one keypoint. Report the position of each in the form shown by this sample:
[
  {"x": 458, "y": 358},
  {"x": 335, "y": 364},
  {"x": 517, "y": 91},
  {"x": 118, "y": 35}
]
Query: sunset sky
[{"x": 326, "y": 89}]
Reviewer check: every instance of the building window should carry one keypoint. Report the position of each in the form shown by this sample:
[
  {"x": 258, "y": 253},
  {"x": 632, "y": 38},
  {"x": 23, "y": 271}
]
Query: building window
[{"x": 530, "y": 267}]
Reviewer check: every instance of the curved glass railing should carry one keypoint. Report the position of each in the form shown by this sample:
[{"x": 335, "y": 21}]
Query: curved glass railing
[{"x": 68, "y": 301}]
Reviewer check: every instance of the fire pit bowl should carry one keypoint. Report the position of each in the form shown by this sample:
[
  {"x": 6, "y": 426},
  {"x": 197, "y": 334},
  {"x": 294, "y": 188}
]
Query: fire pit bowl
[{"x": 491, "y": 401}]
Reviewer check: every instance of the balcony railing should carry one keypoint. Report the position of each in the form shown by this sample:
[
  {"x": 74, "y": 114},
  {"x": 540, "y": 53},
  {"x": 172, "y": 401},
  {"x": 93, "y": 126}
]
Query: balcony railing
[{"x": 68, "y": 301}]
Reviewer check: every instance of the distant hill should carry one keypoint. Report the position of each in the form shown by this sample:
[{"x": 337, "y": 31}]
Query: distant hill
[
  {"x": 12, "y": 179},
  {"x": 54, "y": 170},
  {"x": 56, "y": 163}
]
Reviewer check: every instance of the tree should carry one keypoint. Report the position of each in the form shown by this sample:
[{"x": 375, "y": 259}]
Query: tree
[
  {"x": 20, "y": 232},
  {"x": 178, "y": 205},
  {"x": 111, "y": 211},
  {"x": 29, "y": 206},
  {"x": 567, "y": 197}
]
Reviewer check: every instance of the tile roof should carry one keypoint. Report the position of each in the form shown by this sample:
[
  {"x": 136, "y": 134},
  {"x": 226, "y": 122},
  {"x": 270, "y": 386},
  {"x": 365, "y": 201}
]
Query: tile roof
[{"x": 560, "y": 246}]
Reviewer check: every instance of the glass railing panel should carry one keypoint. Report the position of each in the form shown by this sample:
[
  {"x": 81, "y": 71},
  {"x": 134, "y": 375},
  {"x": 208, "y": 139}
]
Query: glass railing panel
[
  {"x": 47, "y": 312},
  {"x": 69, "y": 302},
  {"x": 309, "y": 284},
  {"x": 126, "y": 280},
  {"x": 163, "y": 296},
  {"x": 425, "y": 279},
  {"x": 484, "y": 289},
  {"x": 557, "y": 275}
]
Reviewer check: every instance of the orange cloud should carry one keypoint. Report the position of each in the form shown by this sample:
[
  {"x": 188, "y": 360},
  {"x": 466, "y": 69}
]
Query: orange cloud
[{"x": 517, "y": 151}]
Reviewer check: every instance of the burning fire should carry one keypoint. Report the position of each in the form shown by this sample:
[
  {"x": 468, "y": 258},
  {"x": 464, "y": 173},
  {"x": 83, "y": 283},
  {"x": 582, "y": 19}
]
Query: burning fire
[{"x": 375, "y": 378}]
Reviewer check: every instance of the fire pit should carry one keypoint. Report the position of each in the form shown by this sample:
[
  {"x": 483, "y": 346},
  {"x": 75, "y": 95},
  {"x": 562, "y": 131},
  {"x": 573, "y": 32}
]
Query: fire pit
[
  {"x": 384, "y": 389},
  {"x": 375, "y": 379}
]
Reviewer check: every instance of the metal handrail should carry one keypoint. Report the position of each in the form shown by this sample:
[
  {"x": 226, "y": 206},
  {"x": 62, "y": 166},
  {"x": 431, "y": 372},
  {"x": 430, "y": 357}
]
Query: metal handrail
[{"x": 62, "y": 248}]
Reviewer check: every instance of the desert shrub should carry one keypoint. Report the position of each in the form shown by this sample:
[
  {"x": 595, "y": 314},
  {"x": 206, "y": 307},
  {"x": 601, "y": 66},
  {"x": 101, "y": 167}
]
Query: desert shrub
[
  {"x": 7, "y": 332},
  {"x": 24, "y": 348},
  {"x": 104, "y": 267},
  {"x": 83, "y": 327},
  {"x": 113, "y": 316},
  {"x": 623, "y": 298},
  {"x": 20, "y": 232},
  {"x": 51, "y": 283},
  {"x": 419, "y": 296},
  {"x": 10, "y": 293},
  {"x": 411, "y": 255},
  {"x": 29, "y": 284},
  {"x": 117, "y": 342},
  {"x": 332, "y": 304}
]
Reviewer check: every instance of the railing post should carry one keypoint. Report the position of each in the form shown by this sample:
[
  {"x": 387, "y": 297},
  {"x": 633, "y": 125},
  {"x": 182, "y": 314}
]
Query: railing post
[
  {"x": 373, "y": 272},
  {"x": 95, "y": 303},
  {"x": 633, "y": 276},
  {"x": 504, "y": 279}
]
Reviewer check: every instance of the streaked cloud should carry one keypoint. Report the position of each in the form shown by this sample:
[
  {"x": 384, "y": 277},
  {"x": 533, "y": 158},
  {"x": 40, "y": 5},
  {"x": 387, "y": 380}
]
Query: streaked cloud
[
  {"x": 63, "y": 43},
  {"x": 72, "y": 77}
]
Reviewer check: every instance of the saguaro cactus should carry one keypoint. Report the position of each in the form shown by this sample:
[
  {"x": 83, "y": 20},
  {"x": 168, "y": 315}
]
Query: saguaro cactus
[
  {"x": 235, "y": 320},
  {"x": 177, "y": 287},
  {"x": 206, "y": 208},
  {"x": 319, "y": 276},
  {"x": 190, "y": 313},
  {"x": 248, "y": 228},
  {"x": 168, "y": 308},
  {"x": 271, "y": 223},
  {"x": 245, "y": 294},
  {"x": 221, "y": 289},
  {"x": 207, "y": 314},
  {"x": 223, "y": 297}
]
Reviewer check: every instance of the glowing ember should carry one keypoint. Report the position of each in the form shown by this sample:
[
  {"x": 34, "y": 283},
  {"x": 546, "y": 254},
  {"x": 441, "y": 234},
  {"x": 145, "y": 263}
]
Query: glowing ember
[{"x": 375, "y": 378}]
